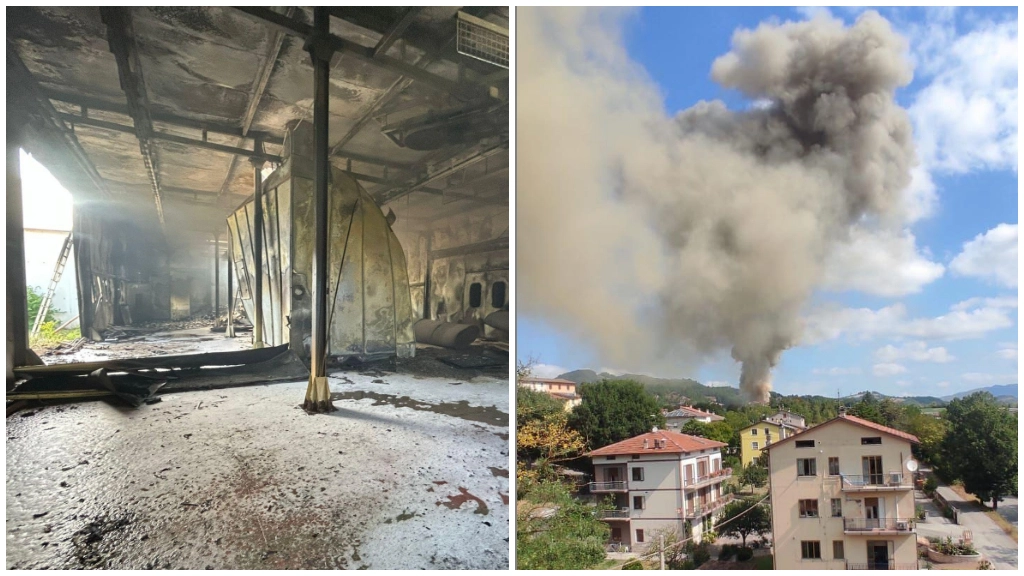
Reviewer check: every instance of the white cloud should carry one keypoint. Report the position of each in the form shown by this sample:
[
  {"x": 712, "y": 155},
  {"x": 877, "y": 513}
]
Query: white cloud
[
  {"x": 966, "y": 118},
  {"x": 983, "y": 378},
  {"x": 836, "y": 371},
  {"x": 999, "y": 302},
  {"x": 1007, "y": 351},
  {"x": 991, "y": 256},
  {"x": 547, "y": 370},
  {"x": 967, "y": 319},
  {"x": 917, "y": 351},
  {"x": 888, "y": 369},
  {"x": 811, "y": 12},
  {"x": 942, "y": 384},
  {"x": 880, "y": 262}
]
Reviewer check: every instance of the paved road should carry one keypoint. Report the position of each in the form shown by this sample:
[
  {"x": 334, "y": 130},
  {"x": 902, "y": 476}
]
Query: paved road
[
  {"x": 1008, "y": 509},
  {"x": 994, "y": 544}
]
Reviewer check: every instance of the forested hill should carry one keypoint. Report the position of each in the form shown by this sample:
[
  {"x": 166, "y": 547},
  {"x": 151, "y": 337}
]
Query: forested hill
[{"x": 672, "y": 391}]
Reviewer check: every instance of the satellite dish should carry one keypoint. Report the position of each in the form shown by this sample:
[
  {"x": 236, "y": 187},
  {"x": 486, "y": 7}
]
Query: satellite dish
[{"x": 912, "y": 465}]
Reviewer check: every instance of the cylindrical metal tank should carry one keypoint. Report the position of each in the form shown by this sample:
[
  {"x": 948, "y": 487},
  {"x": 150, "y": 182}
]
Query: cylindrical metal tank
[{"x": 369, "y": 306}]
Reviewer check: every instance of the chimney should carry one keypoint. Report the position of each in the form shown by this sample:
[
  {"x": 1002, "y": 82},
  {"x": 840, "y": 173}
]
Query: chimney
[{"x": 645, "y": 443}]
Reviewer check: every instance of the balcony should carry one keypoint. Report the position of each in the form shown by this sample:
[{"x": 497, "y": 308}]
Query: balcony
[
  {"x": 703, "y": 509},
  {"x": 619, "y": 486},
  {"x": 619, "y": 514},
  {"x": 890, "y": 565},
  {"x": 892, "y": 481},
  {"x": 878, "y": 526},
  {"x": 707, "y": 480}
]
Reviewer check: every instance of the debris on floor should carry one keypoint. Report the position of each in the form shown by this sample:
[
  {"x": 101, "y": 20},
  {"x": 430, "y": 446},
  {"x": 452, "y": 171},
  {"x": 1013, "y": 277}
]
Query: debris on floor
[{"x": 241, "y": 478}]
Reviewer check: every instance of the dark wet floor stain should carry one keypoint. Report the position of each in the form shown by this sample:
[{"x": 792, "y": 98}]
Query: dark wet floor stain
[
  {"x": 440, "y": 482},
  {"x": 455, "y": 502},
  {"x": 498, "y": 472},
  {"x": 461, "y": 409},
  {"x": 400, "y": 518}
]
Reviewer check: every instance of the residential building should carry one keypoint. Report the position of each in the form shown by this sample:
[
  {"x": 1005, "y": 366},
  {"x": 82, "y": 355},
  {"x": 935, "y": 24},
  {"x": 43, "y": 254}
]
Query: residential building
[
  {"x": 757, "y": 436},
  {"x": 661, "y": 479},
  {"x": 558, "y": 388},
  {"x": 678, "y": 418},
  {"x": 788, "y": 418},
  {"x": 843, "y": 497}
]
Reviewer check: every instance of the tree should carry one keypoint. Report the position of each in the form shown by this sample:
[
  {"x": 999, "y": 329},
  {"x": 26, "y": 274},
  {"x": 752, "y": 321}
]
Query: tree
[
  {"x": 738, "y": 522},
  {"x": 613, "y": 410},
  {"x": 931, "y": 432},
  {"x": 543, "y": 437},
  {"x": 981, "y": 446},
  {"x": 868, "y": 409},
  {"x": 556, "y": 532},
  {"x": 754, "y": 476}
]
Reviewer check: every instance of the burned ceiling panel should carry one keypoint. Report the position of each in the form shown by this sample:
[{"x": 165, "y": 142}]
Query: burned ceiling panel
[{"x": 219, "y": 68}]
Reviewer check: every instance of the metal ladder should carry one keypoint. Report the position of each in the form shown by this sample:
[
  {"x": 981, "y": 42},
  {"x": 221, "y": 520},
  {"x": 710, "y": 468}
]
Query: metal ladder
[{"x": 58, "y": 271}]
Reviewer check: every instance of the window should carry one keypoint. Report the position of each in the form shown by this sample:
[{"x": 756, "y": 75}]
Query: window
[
  {"x": 638, "y": 502},
  {"x": 498, "y": 294},
  {"x": 872, "y": 440},
  {"x": 636, "y": 456},
  {"x": 639, "y": 535},
  {"x": 475, "y": 295},
  {"x": 753, "y": 431},
  {"x": 838, "y": 553},
  {"x": 837, "y": 507},
  {"x": 805, "y": 443},
  {"x": 767, "y": 432},
  {"x": 833, "y": 466},
  {"x": 609, "y": 457},
  {"x": 806, "y": 467},
  {"x": 638, "y": 474},
  {"x": 808, "y": 508},
  {"x": 753, "y": 445},
  {"x": 872, "y": 468},
  {"x": 810, "y": 550},
  {"x": 617, "y": 534}
]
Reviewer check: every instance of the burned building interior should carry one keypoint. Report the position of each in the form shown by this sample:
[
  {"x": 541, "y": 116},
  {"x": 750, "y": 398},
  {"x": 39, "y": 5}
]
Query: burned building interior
[{"x": 267, "y": 202}]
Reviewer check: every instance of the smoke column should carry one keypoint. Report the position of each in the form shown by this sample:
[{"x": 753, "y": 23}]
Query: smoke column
[{"x": 664, "y": 240}]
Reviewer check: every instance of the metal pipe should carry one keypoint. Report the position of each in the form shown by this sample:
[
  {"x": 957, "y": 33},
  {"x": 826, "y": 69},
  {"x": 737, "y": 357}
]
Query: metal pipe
[
  {"x": 230, "y": 330},
  {"x": 321, "y": 171},
  {"x": 257, "y": 176}
]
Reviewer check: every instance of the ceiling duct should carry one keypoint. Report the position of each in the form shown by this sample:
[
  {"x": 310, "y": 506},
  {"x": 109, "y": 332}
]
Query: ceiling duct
[
  {"x": 432, "y": 131},
  {"x": 483, "y": 40}
]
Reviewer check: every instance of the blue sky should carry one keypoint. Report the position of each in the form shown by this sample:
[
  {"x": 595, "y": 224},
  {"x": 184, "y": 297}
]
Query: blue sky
[{"x": 932, "y": 311}]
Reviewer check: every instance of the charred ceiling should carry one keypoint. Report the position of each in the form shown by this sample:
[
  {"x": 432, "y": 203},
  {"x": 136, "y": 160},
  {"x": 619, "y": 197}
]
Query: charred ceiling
[{"x": 157, "y": 110}]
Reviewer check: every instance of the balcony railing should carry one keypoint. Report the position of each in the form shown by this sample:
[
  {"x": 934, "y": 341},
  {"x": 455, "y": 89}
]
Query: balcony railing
[
  {"x": 620, "y": 514},
  {"x": 712, "y": 478},
  {"x": 618, "y": 486},
  {"x": 890, "y": 565},
  {"x": 875, "y": 525},
  {"x": 704, "y": 509},
  {"x": 876, "y": 482}
]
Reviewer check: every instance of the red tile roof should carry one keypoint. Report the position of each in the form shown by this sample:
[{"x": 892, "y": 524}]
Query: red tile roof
[
  {"x": 853, "y": 420},
  {"x": 675, "y": 443}
]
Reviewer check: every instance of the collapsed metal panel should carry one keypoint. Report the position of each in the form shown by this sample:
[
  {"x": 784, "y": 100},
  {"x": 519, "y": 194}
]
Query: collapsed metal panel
[{"x": 369, "y": 307}]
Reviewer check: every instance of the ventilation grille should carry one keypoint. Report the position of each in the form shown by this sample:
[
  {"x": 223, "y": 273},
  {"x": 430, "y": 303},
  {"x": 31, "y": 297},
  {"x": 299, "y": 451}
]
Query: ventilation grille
[{"x": 482, "y": 40}]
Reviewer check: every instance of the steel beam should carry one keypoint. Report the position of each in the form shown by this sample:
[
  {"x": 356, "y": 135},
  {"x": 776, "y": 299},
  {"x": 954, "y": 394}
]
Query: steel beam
[
  {"x": 20, "y": 76},
  {"x": 425, "y": 180},
  {"x": 230, "y": 330},
  {"x": 86, "y": 121},
  {"x": 321, "y": 53},
  {"x": 170, "y": 119},
  {"x": 257, "y": 176},
  {"x": 395, "y": 31},
  {"x": 366, "y": 54},
  {"x": 216, "y": 278},
  {"x": 262, "y": 78},
  {"x": 17, "y": 287},
  {"x": 492, "y": 245}
]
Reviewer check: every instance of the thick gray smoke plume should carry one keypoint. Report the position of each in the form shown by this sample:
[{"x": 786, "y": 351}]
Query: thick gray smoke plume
[{"x": 665, "y": 240}]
